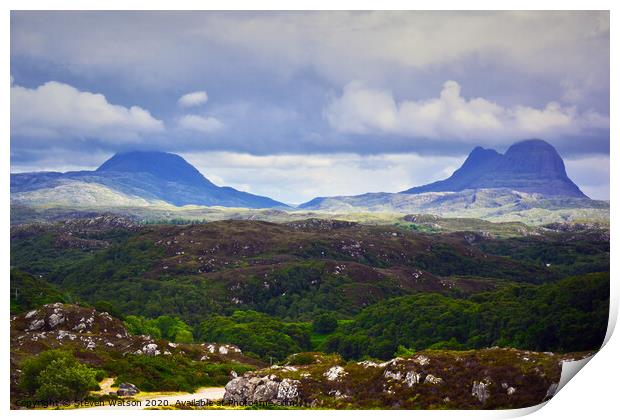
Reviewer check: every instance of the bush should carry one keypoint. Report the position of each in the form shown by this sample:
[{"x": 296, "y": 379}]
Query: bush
[
  {"x": 57, "y": 375},
  {"x": 325, "y": 323},
  {"x": 403, "y": 351},
  {"x": 171, "y": 373}
]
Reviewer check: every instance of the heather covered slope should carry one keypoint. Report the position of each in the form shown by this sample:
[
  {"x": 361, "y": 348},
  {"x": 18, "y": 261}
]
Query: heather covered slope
[
  {"x": 292, "y": 270},
  {"x": 493, "y": 378}
]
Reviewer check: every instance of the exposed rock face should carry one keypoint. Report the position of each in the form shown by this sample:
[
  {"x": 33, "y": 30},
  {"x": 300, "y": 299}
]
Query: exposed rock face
[
  {"x": 64, "y": 317},
  {"x": 412, "y": 378},
  {"x": 432, "y": 379},
  {"x": 531, "y": 166},
  {"x": 151, "y": 349},
  {"x": 249, "y": 389}
]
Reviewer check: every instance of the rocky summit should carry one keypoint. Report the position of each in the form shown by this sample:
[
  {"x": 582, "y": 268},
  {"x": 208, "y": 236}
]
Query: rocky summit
[{"x": 530, "y": 166}]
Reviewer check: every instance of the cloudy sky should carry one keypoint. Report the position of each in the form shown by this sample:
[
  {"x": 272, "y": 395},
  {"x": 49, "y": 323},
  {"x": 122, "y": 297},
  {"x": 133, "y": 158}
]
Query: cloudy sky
[{"x": 298, "y": 105}]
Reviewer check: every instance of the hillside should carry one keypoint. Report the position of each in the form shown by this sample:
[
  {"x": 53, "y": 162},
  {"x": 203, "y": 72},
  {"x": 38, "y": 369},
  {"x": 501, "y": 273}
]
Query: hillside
[
  {"x": 482, "y": 379},
  {"x": 289, "y": 270},
  {"x": 494, "y": 204},
  {"x": 102, "y": 342}
]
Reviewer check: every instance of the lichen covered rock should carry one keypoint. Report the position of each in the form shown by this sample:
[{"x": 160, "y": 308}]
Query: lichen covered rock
[{"x": 249, "y": 389}]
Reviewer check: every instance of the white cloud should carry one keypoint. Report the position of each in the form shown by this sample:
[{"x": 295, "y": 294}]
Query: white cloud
[
  {"x": 591, "y": 173},
  {"x": 296, "y": 178},
  {"x": 193, "y": 99},
  {"x": 201, "y": 124},
  {"x": 363, "y": 110},
  {"x": 57, "y": 111}
]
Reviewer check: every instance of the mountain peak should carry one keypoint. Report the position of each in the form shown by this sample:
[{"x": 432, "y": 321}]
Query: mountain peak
[
  {"x": 138, "y": 176},
  {"x": 163, "y": 165},
  {"x": 481, "y": 157},
  {"x": 532, "y": 166}
]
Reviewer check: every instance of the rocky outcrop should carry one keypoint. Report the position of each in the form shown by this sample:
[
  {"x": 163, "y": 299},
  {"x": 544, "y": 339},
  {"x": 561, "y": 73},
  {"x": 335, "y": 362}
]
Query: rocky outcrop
[
  {"x": 127, "y": 390},
  {"x": 71, "y": 318},
  {"x": 476, "y": 379},
  {"x": 97, "y": 336},
  {"x": 480, "y": 390},
  {"x": 77, "y": 232},
  {"x": 249, "y": 389},
  {"x": 56, "y": 324},
  {"x": 314, "y": 224}
]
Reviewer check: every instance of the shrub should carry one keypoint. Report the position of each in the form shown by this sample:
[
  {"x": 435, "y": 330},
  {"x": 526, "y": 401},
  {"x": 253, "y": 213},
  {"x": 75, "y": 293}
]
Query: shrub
[
  {"x": 171, "y": 373},
  {"x": 325, "y": 323},
  {"x": 57, "y": 375}
]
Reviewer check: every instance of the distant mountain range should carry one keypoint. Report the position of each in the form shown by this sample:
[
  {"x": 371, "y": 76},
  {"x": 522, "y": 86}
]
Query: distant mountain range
[
  {"x": 530, "y": 166},
  {"x": 133, "y": 178},
  {"x": 528, "y": 172}
]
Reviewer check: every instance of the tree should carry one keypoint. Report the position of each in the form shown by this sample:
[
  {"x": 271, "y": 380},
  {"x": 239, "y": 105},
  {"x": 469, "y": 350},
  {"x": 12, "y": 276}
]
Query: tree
[
  {"x": 57, "y": 375},
  {"x": 167, "y": 327},
  {"x": 256, "y": 333},
  {"x": 325, "y": 323}
]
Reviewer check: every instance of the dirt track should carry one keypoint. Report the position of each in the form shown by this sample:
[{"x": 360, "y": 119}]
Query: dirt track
[{"x": 158, "y": 400}]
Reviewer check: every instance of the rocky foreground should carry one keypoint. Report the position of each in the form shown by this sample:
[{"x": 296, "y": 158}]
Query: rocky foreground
[
  {"x": 493, "y": 378},
  {"x": 56, "y": 324},
  {"x": 478, "y": 379},
  {"x": 96, "y": 337}
]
